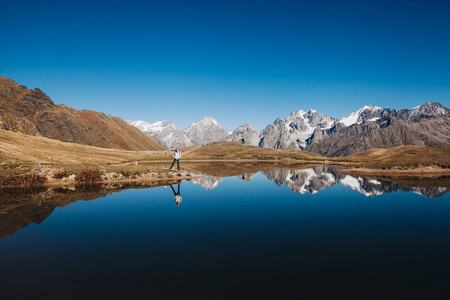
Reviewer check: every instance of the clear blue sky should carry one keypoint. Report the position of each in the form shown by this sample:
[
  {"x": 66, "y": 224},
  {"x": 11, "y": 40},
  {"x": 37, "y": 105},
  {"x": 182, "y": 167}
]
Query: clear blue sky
[{"x": 237, "y": 61}]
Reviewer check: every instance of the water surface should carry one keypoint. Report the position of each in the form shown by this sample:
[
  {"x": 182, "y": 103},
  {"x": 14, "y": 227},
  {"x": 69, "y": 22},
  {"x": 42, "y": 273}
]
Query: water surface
[{"x": 278, "y": 233}]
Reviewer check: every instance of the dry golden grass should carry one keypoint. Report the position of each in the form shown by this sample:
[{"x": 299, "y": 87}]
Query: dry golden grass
[
  {"x": 411, "y": 156},
  {"x": 20, "y": 148}
]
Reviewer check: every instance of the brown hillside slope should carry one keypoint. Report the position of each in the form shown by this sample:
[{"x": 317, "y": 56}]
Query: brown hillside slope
[
  {"x": 21, "y": 148},
  {"x": 403, "y": 156},
  {"x": 33, "y": 112}
]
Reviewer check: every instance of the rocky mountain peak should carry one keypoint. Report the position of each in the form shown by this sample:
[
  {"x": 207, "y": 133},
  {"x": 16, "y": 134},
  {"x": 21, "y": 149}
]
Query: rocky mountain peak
[
  {"x": 426, "y": 110},
  {"x": 205, "y": 131},
  {"x": 367, "y": 112},
  {"x": 208, "y": 119},
  {"x": 244, "y": 134}
]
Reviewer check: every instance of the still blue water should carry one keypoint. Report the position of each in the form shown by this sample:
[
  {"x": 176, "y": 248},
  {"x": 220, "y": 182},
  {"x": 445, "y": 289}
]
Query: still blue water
[{"x": 235, "y": 239}]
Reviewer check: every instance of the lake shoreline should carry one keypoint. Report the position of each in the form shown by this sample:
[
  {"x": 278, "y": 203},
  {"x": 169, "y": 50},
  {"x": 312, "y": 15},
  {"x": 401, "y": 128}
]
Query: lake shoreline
[
  {"x": 134, "y": 172},
  {"x": 166, "y": 176}
]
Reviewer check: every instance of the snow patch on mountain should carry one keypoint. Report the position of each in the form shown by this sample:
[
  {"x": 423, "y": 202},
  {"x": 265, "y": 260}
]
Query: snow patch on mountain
[{"x": 364, "y": 113}]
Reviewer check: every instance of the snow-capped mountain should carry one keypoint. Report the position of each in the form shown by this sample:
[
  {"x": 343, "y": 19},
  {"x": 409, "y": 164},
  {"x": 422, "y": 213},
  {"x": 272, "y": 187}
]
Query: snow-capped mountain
[
  {"x": 426, "y": 110},
  {"x": 427, "y": 124},
  {"x": 205, "y": 131},
  {"x": 169, "y": 136},
  {"x": 164, "y": 132},
  {"x": 366, "y": 113},
  {"x": 373, "y": 113},
  {"x": 244, "y": 134},
  {"x": 316, "y": 132},
  {"x": 294, "y": 131}
]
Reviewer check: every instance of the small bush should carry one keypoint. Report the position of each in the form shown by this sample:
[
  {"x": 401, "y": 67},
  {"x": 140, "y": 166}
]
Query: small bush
[
  {"x": 125, "y": 173},
  {"x": 89, "y": 177},
  {"x": 115, "y": 176},
  {"x": 23, "y": 180},
  {"x": 61, "y": 175}
]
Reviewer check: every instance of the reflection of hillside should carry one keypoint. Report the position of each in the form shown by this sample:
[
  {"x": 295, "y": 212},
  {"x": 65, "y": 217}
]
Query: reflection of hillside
[{"x": 19, "y": 207}]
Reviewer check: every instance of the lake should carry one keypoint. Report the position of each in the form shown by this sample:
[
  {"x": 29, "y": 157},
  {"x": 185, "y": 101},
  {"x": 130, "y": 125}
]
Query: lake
[{"x": 312, "y": 233}]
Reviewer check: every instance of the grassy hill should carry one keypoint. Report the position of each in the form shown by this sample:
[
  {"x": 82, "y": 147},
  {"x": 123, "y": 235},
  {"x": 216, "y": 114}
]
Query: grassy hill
[
  {"x": 403, "y": 157},
  {"x": 32, "y": 112}
]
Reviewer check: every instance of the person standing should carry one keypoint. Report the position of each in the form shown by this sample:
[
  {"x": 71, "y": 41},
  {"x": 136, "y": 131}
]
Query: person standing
[{"x": 176, "y": 158}]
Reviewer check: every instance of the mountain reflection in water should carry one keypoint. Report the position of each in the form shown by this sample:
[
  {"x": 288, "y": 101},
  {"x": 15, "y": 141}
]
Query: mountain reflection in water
[
  {"x": 312, "y": 180},
  {"x": 241, "y": 236},
  {"x": 18, "y": 208}
]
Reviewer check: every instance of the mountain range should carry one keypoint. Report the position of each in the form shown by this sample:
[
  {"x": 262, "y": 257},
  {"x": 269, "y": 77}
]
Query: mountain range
[
  {"x": 366, "y": 128},
  {"x": 32, "y": 112},
  {"x": 169, "y": 136}
]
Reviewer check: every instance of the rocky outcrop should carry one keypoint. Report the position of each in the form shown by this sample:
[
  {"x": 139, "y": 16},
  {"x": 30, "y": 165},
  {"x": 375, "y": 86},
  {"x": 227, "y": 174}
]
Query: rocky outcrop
[
  {"x": 244, "y": 134},
  {"x": 33, "y": 112}
]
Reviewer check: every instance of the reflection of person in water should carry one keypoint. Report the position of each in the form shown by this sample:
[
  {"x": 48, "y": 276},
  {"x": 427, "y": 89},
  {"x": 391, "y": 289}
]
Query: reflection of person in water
[{"x": 177, "y": 198}]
